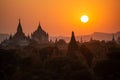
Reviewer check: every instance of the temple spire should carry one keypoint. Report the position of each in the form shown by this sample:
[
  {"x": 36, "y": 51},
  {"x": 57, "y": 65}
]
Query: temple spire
[
  {"x": 19, "y": 29},
  {"x": 72, "y": 47},
  {"x": 73, "y": 44},
  {"x": 113, "y": 39},
  {"x": 73, "y": 37},
  {"x": 91, "y": 39},
  {"x": 39, "y": 26}
]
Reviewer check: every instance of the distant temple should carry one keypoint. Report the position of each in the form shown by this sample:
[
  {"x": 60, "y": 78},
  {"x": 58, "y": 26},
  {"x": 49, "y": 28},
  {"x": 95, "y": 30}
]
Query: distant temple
[
  {"x": 73, "y": 46},
  {"x": 79, "y": 52},
  {"x": 113, "y": 39},
  {"x": 118, "y": 39},
  {"x": 40, "y": 36},
  {"x": 19, "y": 39}
]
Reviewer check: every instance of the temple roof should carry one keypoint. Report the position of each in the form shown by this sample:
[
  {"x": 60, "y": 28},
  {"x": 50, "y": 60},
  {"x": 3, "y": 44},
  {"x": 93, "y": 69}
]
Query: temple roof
[
  {"x": 73, "y": 37},
  {"x": 19, "y": 34},
  {"x": 19, "y": 28},
  {"x": 73, "y": 44},
  {"x": 113, "y": 38},
  {"x": 39, "y": 31},
  {"x": 39, "y": 27}
]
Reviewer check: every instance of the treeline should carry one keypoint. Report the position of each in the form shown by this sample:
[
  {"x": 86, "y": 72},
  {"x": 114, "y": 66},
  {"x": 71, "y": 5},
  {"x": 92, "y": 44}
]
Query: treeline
[{"x": 50, "y": 63}]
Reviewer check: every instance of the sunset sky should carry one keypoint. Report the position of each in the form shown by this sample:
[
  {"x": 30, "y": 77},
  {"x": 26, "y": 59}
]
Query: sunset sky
[{"x": 60, "y": 17}]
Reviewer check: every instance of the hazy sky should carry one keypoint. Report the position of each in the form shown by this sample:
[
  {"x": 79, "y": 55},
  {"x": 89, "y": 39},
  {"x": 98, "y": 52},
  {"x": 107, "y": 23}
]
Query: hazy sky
[{"x": 60, "y": 17}]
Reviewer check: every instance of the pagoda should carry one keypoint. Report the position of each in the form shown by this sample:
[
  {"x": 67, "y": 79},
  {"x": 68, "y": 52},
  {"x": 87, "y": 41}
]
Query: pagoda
[
  {"x": 39, "y": 35},
  {"x": 18, "y": 39},
  {"x": 73, "y": 46}
]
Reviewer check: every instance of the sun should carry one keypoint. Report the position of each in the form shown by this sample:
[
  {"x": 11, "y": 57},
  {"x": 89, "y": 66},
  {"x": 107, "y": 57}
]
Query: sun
[{"x": 84, "y": 18}]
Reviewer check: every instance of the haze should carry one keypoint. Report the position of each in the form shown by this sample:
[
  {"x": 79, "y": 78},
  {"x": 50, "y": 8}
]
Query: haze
[{"x": 60, "y": 17}]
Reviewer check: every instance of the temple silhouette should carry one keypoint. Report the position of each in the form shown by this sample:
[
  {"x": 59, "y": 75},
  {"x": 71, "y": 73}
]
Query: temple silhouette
[
  {"x": 34, "y": 57},
  {"x": 40, "y": 36},
  {"x": 20, "y": 39}
]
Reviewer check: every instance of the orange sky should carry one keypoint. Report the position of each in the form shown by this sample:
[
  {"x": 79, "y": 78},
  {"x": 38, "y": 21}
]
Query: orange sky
[{"x": 60, "y": 17}]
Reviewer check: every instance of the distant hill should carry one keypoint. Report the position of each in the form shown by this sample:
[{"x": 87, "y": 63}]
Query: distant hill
[
  {"x": 96, "y": 35},
  {"x": 104, "y": 36},
  {"x": 3, "y": 37}
]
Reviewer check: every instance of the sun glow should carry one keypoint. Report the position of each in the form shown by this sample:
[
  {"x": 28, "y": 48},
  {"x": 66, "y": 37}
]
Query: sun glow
[{"x": 84, "y": 18}]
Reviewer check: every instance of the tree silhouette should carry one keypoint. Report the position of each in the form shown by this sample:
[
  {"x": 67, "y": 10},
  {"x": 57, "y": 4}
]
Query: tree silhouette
[{"x": 109, "y": 69}]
